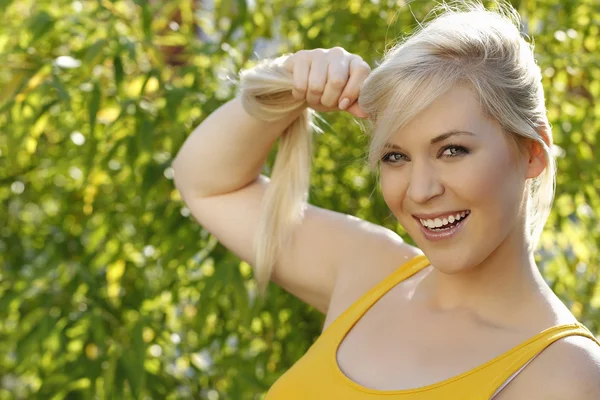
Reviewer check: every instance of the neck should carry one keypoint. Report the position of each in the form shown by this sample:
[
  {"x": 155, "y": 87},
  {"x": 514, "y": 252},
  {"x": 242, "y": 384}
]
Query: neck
[{"x": 499, "y": 290}]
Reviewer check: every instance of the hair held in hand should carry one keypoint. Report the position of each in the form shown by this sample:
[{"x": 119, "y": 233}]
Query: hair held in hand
[{"x": 462, "y": 43}]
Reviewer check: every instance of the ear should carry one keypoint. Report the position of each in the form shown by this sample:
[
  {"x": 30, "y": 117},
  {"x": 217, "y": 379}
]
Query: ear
[{"x": 536, "y": 159}]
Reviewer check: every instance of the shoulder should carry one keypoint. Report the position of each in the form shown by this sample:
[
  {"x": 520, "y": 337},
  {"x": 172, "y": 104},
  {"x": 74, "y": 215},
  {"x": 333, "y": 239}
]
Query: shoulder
[
  {"x": 375, "y": 252},
  {"x": 371, "y": 257},
  {"x": 569, "y": 369}
]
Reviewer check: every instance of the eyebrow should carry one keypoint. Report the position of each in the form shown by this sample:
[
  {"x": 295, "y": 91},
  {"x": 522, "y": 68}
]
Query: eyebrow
[{"x": 437, "y": 139}]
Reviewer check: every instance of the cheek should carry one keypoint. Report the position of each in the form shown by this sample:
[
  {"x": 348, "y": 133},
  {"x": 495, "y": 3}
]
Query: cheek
[
  {"x": 392, "y": 188},
  {"x": 490, "y": 182}
]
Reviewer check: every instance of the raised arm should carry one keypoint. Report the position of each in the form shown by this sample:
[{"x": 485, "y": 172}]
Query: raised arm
[{"x": 217, "y": 171}]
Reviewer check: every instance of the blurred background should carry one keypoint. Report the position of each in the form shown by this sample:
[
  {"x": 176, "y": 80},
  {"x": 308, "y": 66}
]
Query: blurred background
[{"x": 108, "y": 287}]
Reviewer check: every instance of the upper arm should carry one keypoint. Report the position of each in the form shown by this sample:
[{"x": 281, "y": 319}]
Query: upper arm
[{"x": 323, "y": 242}]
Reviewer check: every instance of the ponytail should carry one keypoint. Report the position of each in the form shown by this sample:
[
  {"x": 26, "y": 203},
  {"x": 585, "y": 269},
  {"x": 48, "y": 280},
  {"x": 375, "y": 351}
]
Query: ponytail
[{"x": 266, "y": 94}]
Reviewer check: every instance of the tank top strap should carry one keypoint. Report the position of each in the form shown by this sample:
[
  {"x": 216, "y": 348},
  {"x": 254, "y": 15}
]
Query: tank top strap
[
  {"x": 513, "y": 361},
  {"x": 353, "y": 313}
]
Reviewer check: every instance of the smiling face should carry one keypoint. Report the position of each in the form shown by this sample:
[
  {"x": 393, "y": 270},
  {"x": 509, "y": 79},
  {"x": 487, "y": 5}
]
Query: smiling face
[{"x": 453, "y": 159}]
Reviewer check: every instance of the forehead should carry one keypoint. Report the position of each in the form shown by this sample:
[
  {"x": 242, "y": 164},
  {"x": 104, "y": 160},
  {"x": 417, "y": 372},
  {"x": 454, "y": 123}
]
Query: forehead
[{"x": 457, "y": 109}]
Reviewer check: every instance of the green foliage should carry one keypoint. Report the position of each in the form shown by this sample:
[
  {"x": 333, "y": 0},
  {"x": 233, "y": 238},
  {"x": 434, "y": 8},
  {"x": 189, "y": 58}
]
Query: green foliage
[{"x": 108, "y": 288}]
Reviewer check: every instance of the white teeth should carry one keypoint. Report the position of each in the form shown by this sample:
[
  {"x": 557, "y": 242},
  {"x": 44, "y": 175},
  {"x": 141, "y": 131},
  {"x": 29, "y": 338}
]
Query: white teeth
[{"x": 439, "y": 222}]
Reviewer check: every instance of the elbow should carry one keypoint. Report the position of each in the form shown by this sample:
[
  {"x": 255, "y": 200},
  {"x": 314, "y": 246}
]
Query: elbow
[
  {"x": 175, "y": 166},
  {"x": 178, "y": 176},
  {"x": 188, "y": 184}
]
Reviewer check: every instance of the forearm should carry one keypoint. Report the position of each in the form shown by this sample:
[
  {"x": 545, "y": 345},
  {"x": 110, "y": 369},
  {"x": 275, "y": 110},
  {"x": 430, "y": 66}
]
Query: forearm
[{"x": 226, "y": 151}]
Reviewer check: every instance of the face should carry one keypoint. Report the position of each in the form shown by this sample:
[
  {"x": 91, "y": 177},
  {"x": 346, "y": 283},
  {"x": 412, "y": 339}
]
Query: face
[{"x": 476, "y": 174}]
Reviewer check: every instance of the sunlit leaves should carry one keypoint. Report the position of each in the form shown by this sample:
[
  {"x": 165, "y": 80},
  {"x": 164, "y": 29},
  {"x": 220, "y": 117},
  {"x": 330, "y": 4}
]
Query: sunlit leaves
[{"x": 108, "y": 287}]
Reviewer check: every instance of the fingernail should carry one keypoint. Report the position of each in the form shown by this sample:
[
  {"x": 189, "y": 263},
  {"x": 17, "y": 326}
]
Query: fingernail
[{"x": 344, "y": 103}]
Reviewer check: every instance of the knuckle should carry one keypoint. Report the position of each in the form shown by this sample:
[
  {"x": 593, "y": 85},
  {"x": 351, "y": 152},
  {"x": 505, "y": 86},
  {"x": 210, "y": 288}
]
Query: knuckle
[
  {"x": 299, "y": 56},
  {"x": 318, "y": 52},
  {"x": 315, "y": 87},
  {"x": 337, "y": 57},
  {"x": 359, "y": 63},
  {"x": 337, "y": 50},
  {"x": 364, "y": 65},
  {"x": 337, "y": 82},
  {"x": 328, "y": 102}
]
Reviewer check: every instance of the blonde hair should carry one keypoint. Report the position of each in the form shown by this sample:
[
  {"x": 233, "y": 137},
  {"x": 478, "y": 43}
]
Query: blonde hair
[{"x": 464, "y": 44}]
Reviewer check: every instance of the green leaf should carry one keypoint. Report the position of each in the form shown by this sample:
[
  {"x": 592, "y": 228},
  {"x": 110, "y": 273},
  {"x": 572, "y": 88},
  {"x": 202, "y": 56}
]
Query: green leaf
[
  {"x": 118, "y": 66},
  {"x": 39, "y": 25},
  {"x": 63, "y": 93},
  {"x": 93, "y": 107},
  {"x": 132, "y": 361},
  {"x": 174, "y": 97},
  {"x": 146, "y": 18},
  {"x": 92, "y": 52}
]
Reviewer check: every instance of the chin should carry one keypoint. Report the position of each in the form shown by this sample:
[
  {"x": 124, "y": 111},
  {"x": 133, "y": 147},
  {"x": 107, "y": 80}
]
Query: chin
[
  {"x": 449, "y": 262},
  {"x": 453, "y": 258}
]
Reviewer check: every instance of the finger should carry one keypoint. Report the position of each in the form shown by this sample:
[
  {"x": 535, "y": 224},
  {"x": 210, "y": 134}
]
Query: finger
[
  {"x": 355, "y": 110},
  {"x": 337, "y": 77},
  {"x": 316, "y": 81},
  {"x": 359, "y": 71},
  {"x": 288, "y": 63},
  {"x": 301, "y": 69}
]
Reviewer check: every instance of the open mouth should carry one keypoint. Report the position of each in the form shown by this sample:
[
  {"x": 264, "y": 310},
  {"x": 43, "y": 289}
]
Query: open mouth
[{"x": 446, "y": 223}]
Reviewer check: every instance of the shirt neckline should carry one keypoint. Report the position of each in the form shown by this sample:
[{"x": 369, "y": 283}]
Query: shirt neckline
[
  {"x": 392, "y": 277},
  {"x": 355, "y": 385}
]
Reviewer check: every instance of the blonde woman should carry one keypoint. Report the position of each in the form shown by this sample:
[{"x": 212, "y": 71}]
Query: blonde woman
[{"x": 461, "y": 140}]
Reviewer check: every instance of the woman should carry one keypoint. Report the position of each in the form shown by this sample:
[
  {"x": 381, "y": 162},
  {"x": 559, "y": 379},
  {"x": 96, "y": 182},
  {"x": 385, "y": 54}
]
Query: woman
[{"x": 462, "y": 141}]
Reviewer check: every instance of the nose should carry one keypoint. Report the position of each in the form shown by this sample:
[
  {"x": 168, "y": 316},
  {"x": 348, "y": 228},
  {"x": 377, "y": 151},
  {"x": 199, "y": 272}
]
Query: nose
[{"x": 424, "y": 183}]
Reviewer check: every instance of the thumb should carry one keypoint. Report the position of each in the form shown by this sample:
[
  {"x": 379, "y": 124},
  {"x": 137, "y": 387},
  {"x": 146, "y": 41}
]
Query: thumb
[{"x": 355, "y": 110}]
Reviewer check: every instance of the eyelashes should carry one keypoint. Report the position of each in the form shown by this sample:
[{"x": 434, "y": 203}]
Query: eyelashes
[
  {"x": 457, "y": 151},
  {"x": 461, "y": 150},
  {"x": 386, "y": 157}
]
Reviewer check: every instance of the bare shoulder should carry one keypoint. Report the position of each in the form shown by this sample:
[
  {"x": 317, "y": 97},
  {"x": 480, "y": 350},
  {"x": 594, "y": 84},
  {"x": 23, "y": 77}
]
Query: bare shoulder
[
  {"x": 567, "y": 369},
  {"x": 376, "y": 252},
  {"x": 572, "y": 369}
]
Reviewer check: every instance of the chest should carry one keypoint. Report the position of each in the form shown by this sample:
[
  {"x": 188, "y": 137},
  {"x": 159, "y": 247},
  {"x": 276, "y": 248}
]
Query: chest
[{"x": 392, "y": 347}]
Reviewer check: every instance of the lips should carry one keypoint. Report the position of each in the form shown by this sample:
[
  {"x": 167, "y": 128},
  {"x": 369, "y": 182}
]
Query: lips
[{"x": 441, "y": 234}]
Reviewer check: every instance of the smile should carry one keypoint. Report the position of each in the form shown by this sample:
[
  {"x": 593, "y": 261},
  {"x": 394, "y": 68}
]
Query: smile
[
  {"x": 443, "y": 228},
  {"x": 444, "y": 223}
]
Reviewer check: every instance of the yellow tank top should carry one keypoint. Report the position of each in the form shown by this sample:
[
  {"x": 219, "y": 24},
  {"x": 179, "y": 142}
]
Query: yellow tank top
[{"x": 317, "y": 375}]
